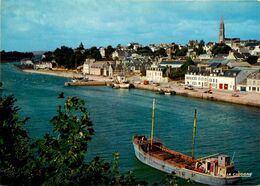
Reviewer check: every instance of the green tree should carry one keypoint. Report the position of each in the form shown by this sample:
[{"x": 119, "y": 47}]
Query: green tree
[
  {"x": 58, "y": 158},
  {"x": 252, "y": 59},
  {"x": 108, "y": 52},
  {"x": 161, "y": 52},
  {"x": 220, "y": 48},
  {"x": 15, "y": 148},
  {"x": 182, "y": 70},
  {"x": 64, "y": 57}
]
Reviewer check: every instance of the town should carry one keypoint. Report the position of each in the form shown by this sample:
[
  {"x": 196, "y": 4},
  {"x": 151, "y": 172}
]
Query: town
[{"x": 231, "y": 66}]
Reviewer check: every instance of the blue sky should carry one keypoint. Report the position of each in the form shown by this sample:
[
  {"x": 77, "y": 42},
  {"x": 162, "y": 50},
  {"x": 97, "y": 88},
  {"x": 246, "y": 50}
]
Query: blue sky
[{"x": 31, "y": 25}]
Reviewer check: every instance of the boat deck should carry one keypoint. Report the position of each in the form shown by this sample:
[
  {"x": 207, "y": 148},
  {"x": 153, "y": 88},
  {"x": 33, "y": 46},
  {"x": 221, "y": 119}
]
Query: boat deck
[{"x": 160, "y": 152}]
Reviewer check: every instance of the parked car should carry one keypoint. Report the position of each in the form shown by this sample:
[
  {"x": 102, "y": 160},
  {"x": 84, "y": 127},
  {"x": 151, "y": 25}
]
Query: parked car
[{"x": 189, "y": 87}]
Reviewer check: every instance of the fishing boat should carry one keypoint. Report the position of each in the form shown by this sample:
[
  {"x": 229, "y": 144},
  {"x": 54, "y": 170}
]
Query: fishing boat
[{"x": 211, "y": 170}]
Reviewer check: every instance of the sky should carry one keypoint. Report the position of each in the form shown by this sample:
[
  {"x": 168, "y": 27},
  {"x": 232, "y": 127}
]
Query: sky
[{"x": 34, "y": 25}]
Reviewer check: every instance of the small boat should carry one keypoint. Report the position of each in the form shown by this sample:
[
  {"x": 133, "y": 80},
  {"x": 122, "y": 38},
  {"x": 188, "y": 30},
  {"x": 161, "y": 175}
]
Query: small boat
[
  {"x": 207, "y": 170},
  {"x": 79, "y": 79}
]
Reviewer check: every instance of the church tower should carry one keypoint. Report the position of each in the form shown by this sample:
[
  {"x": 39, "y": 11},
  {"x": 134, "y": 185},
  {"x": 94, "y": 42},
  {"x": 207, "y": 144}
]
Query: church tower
[{"x": 221, "y": 31}]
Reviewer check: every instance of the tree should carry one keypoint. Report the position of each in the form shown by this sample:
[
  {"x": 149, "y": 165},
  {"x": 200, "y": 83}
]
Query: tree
[
  {"x": 108, "y": 52},
  {"x": 15, "y": 147},
  {"x": 64, "y": 57},
  {"x": 58, "y": 158},
  {"x": 252, "y": 59},
  {"x": 183, "y": 69},
  {"x": 161, "y": 52},
  {"x": 220, "y": 48}
]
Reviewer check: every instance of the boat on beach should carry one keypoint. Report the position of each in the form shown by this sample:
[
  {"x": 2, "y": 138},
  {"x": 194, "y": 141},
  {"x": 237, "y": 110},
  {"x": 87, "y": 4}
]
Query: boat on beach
[{"x": 211, "y": 170}]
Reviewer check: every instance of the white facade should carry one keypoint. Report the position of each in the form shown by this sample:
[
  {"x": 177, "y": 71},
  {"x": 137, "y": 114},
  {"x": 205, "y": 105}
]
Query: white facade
[
  {"x": 86, "y": 66},
  {"x": 253, "y": 83},
  {"x": 156, "y": 75},
  {"x": 215, "y": 82},
  {"x": 256, "y": 51},
  {"x": 43, "y": 65},
  {"x": 102, "y": 52}
]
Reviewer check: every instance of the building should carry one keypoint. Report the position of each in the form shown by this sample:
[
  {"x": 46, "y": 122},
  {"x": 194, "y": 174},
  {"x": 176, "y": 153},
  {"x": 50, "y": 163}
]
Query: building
[
  {"x": 222, "y": 31},
  {"x": 214, "y": 79},
  {"x": 86, "y": 66},
  {"x": 172, "y": 64},
  {"x": 43, "y": 65},
  {"x": 156, "y": 75},
  {"x": 253, "y": 82},
  {"x": 102, "y": 52}
]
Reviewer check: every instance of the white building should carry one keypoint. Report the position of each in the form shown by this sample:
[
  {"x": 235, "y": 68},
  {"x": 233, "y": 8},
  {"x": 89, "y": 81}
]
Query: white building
[
  {"x": 86, "y": 66},
  {"x": 253, "y": 83},
  {"x": 156, "y": 75},
  {"x": 102, "y": 52},
  {"x": 256, "y": 51},
  {"x": 172, "y": 64},
  {"x": 43, "y": 65},
  {"x": 215, "y": 80}
]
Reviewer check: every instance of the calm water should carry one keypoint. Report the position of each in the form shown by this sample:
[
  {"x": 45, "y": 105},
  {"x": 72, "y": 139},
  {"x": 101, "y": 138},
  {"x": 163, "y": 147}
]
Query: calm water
[{"x": 119, "y": 114}]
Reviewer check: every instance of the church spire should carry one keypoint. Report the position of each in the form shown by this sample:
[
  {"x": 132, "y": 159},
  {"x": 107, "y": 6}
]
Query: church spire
[{"x": 222, "y": 31}]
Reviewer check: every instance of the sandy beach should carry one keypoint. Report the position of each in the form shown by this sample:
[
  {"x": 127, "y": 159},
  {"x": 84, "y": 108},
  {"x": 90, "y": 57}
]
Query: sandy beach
[{"x": 244, "y": 98}]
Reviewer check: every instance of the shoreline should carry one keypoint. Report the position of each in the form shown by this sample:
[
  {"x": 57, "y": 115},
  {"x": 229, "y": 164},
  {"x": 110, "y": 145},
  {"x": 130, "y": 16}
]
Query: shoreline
[{"x": 245, "y": 98}]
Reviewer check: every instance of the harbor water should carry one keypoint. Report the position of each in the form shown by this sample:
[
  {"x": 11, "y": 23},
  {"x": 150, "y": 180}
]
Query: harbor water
[{"x": 117, "y": 115}]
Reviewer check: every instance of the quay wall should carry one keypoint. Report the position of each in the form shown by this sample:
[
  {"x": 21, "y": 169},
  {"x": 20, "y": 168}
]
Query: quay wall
[{"x": 249, "y": 100}]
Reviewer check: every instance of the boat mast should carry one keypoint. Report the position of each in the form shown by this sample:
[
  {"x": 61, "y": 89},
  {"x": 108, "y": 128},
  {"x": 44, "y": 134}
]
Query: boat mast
[
  {"x": 193, "y": 134},
  {"x": 152, "y": 123}
]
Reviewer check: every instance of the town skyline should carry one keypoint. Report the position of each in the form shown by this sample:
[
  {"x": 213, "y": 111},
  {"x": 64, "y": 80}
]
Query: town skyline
[{"x": 32, "y": 26}]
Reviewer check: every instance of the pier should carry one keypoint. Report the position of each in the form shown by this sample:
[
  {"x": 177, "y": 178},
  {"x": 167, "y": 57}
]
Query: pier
[{"x": 88, "y": 83}]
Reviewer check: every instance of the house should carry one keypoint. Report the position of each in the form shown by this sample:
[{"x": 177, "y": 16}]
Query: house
[
  {"x": 235, "y": 56},
  {"x": 99, "y": 68},
  {"x": 102, "y": 52},
  {"x": 203, "y": 57},
  {"x": 86, "y": 66},
  {"x": 216, "y": 79},
  {"x": 172, "y": 64},
  {"x": 43, "y": 65},
  {"x": 26, "y": 61},
  {"x": 256, "y": 51},
  {"x": 156, "y": 75},
  {"x": 233, "y": 64},
  {"x": 253, "y": 82}
]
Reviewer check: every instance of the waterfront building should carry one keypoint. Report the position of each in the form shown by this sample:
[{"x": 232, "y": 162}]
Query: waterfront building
[
  {"x": 156, "y": 75},
  {"x": 86, "y": 66},
  {"x": 215, "y": 79},
  {"x": 222, "y": 31},
  {"x": 43, "y": 65},
  {"x": 253, "y": 82}
]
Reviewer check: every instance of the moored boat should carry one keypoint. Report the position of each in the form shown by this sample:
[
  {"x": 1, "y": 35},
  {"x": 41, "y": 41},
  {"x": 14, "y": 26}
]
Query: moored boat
[{"x": 208, "y": 170}]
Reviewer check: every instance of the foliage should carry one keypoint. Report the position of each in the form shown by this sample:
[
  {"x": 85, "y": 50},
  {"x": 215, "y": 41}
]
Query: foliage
[
  {"x": 252, "y": 59},
  {"x": 15, "y": 56},
  {"x": 220, "y": 48},
  {"x": 180, "y": 52},
  {"x": 182, "y": 70},
  {"x": 58, "y": 158},
  {"x": 145, "y": 51},
  {"x": 200, "y": 49},
  {"x": 161, "y": 52},
  {"x": 108, "y": 52},
  {"x": 64, "y": 56},
  {"x": 15, "y": 149},
  {"x": 48, "y": 56},
  {"x": 94, "y": 53}
]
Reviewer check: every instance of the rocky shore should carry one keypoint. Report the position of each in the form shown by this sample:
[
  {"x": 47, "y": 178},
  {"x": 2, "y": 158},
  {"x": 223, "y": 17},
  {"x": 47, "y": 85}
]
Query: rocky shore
[{"x": 243, "y": 98}]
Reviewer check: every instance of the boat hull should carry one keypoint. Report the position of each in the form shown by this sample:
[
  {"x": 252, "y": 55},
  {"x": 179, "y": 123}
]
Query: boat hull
[{"x": 181, "y": 172}]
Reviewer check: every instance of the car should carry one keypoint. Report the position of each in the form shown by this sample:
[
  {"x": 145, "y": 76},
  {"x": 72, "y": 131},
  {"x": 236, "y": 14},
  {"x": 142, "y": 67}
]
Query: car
[{"x": 189, "y": 87}]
